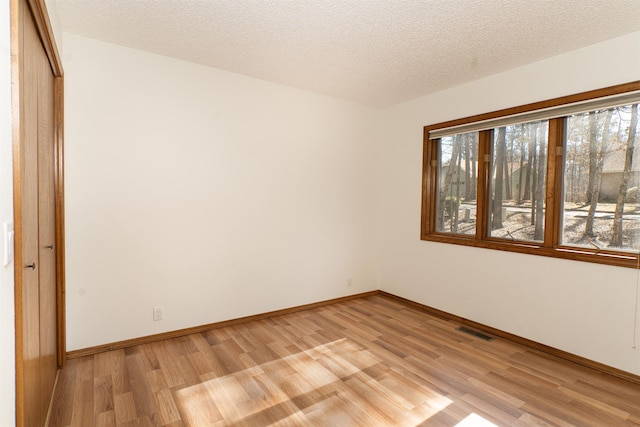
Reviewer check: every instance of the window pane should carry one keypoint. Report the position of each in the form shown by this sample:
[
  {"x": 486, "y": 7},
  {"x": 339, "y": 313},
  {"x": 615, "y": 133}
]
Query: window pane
[
  {"x": 602, "y": 164},
  {"x": 457, "y": 184},
  {"x": 518, "y": 181}
]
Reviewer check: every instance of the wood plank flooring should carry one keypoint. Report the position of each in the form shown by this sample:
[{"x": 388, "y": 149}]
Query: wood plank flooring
[{"x": 367, "y": 362}]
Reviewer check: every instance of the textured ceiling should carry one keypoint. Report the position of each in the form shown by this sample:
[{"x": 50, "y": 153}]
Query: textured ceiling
[{"x": 376, "y": 52}]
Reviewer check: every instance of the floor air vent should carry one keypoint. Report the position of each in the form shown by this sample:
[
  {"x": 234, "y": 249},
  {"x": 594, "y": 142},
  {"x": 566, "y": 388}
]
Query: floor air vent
[{"x": 475, "y": 333}]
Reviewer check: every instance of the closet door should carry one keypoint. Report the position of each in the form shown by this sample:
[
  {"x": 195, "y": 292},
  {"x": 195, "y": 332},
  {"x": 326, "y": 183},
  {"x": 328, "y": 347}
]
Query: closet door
[
  {"x": 36, "y": 333},
  {"x": 34, "y": 395},
  {"x": 46, "y": 226}
]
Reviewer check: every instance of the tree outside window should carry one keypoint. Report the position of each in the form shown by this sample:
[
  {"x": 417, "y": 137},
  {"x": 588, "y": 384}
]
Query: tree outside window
[{"x": 601, "y": 179}]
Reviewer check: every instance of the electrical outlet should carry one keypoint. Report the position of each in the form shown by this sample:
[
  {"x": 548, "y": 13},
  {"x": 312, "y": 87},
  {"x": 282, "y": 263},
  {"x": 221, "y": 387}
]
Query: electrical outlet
[
  {"x": 157, "y": 313},
  {"x": 348, "y": 281}
]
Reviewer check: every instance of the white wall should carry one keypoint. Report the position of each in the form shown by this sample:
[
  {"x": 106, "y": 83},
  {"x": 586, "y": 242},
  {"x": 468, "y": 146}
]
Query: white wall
[
  {"x": 219, "y": 196},
  {"x": 211, "y": 194},
  {"x": 7, "y": 312},
  {"x": 585, "y": 309}
]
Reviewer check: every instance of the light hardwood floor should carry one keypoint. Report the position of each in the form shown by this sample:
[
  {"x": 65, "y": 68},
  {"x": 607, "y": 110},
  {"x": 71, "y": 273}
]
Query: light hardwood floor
[{"x": 367, "y": 362}]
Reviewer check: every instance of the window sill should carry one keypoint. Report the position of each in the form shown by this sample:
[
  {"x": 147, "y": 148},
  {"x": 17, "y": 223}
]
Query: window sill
[{"x": 603, "y": 256}]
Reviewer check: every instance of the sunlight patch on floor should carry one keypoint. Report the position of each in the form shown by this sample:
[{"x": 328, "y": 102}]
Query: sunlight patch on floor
[
  {"x": 475, "y": 420},
  {"x": 330, "y": 384}
]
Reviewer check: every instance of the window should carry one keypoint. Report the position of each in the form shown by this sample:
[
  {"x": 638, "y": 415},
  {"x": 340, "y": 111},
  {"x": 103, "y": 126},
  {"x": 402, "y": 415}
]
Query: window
[
  {"x": 457, "y": 183},
  {"x": 518, "y": 181},
  {"x": 556, "y": 178},
  {"x": 601, "y": 208}
]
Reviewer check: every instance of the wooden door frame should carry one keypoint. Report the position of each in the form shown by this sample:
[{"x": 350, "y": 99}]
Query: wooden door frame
[{"x": 45, "y": 31}]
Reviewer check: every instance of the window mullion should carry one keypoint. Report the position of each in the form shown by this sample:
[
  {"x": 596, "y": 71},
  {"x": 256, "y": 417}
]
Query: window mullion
[
  {"x": 554, "y": 182},
  {"x": 428, "y": 189},
  {"x": 483, "y": 196}
]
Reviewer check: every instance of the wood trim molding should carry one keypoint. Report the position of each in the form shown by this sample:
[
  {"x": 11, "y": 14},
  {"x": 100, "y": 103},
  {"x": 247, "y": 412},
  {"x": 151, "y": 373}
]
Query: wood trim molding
[
  {"x": 60, "y": 221},
  {"x": 17, "y": 111},
  {"x": 202, "y": 328},
  {"x": 540, "y": 105},
  {"x": 600, "y": 367},
  {"x": 41, "y": 16}
]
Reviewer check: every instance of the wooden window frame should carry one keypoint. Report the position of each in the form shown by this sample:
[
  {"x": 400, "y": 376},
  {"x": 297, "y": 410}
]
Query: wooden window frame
[{"x": 551, "y": 245}]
